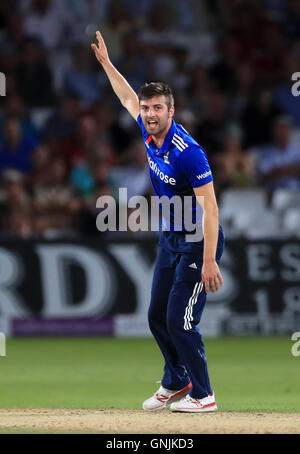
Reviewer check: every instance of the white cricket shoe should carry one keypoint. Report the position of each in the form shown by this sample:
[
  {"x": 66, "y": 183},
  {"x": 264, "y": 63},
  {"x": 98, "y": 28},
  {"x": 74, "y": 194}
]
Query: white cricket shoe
[
  {"x": 188, "y": 404},
  {"x": 164, "y": 397}
]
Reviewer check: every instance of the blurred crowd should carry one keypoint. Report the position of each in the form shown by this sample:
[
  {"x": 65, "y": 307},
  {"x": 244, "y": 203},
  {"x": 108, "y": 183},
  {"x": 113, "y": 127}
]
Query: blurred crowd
[{"x": 64, "y": 137}]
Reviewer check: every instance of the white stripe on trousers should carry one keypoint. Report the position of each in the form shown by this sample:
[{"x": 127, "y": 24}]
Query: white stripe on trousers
[{"x": 188, "y": 316}]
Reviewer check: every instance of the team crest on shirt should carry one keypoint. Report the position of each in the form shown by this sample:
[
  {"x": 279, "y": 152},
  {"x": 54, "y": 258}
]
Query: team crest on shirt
[{"x": 166, "y": 158}]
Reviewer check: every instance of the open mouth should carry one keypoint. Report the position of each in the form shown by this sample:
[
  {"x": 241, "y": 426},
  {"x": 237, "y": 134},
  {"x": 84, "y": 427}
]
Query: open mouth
[{"x": 152, "y": 124}]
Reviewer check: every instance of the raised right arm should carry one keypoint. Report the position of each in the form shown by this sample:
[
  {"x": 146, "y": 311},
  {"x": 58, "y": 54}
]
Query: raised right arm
[{"x": 123, "y": 90}]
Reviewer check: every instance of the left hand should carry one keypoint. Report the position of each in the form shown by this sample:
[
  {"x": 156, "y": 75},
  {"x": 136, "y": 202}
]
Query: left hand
[
  {"x": 100, "y": 50},
  {"x": 211, "y": 276}
]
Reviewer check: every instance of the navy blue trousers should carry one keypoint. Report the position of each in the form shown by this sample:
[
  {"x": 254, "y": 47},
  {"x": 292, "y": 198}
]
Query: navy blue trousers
[{"x": 177, "y": 302}]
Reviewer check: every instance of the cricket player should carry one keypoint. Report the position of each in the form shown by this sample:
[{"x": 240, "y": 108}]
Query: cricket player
[{"x": 185, "y": 270}]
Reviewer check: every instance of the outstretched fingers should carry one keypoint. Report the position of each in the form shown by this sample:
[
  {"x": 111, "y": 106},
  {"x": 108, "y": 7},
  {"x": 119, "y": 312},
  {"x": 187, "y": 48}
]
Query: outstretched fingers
[{"x": 99, "y": 39}]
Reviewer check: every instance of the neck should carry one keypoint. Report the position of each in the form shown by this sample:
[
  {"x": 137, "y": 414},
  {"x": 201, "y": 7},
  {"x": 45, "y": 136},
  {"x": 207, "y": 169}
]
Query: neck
[{"x": 158, "y": 139}]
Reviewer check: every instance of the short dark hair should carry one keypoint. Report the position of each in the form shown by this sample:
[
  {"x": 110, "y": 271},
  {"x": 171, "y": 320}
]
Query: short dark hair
[{"x": 152, "y": 89}]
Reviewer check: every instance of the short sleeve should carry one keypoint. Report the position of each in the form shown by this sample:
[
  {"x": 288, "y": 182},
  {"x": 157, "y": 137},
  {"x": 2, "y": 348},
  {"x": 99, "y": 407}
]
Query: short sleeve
[{"x": 194, "y": 164}]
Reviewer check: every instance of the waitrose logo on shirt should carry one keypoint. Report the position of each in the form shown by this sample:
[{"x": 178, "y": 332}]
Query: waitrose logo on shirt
[
  {"x": 203, "y": 175},
  {"x": 164, "y": 177}
]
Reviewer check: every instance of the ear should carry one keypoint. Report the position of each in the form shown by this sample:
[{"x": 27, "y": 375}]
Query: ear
[{"x": 171, "y": 112}]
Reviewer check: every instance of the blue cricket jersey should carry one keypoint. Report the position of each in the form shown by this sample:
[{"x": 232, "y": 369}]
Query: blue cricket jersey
[{"x": 176, "y": 168}]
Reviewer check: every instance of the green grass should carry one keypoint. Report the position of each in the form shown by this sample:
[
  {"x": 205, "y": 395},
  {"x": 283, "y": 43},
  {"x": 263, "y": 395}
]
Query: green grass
[{"x": 247, "y": 374}]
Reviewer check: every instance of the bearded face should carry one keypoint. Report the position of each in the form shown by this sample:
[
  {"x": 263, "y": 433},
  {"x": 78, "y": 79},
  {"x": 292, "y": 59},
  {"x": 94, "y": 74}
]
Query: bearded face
[{"x": 156, "y": 114}]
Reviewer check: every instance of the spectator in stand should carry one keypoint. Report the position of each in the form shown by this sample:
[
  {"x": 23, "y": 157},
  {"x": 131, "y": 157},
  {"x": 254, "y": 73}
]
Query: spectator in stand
[
  {"x": 234, "y": 166},
  {"x": 15, "y": 195},
  {"x": 199, "y": 90},
  {"x": 15, "y": 107},
  {"x": 268, "y": 57},
  {"x": 15, "y": 208},
  {"x": 51, "y": 21},
  {"x": 40, "y": 177},
  {"x": 258, "y": 117},
  {"x": 33, "y": 76},
  {"x": 117, "y": 23},
  {"x": 210, "y": 131},
  {"x": 85, "y": 143},
  {"x": 54, "y": 197},
  {"x": 88, "y": 14},
  {"x": 87, "y": 175},
  {"x": 158, "y": 41},
  {"x": 110, "y": 131},
  {"x": 16, "y": 149},
  {"x": 62, "y": 124},
  {"x": 158, "y": 29},
  {"x": 243, "y": 91},
  {"x": 191, "y": 14},
  {"x": 187, "y": 119},
  {"x": 134, "y": 175},
  {"x": 41, "y": 162},
  {"x": 11, "y": 40},
  {"x": 89, "y": 212},
  {"x": 278, "y": 163},
  {"x": 133, "y": 63},
  {"x": 246, "y": 27},
  {"x": 140, "y": 9},
  {"x": 180, "y": 80},
  {"x": 18, "y": 225},
  {"x": 81, "y": 79},
  {"x": 223, "y": 73}
]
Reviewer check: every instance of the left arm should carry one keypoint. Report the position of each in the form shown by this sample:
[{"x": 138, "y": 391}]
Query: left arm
[{"x": 211, "y": 275}]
